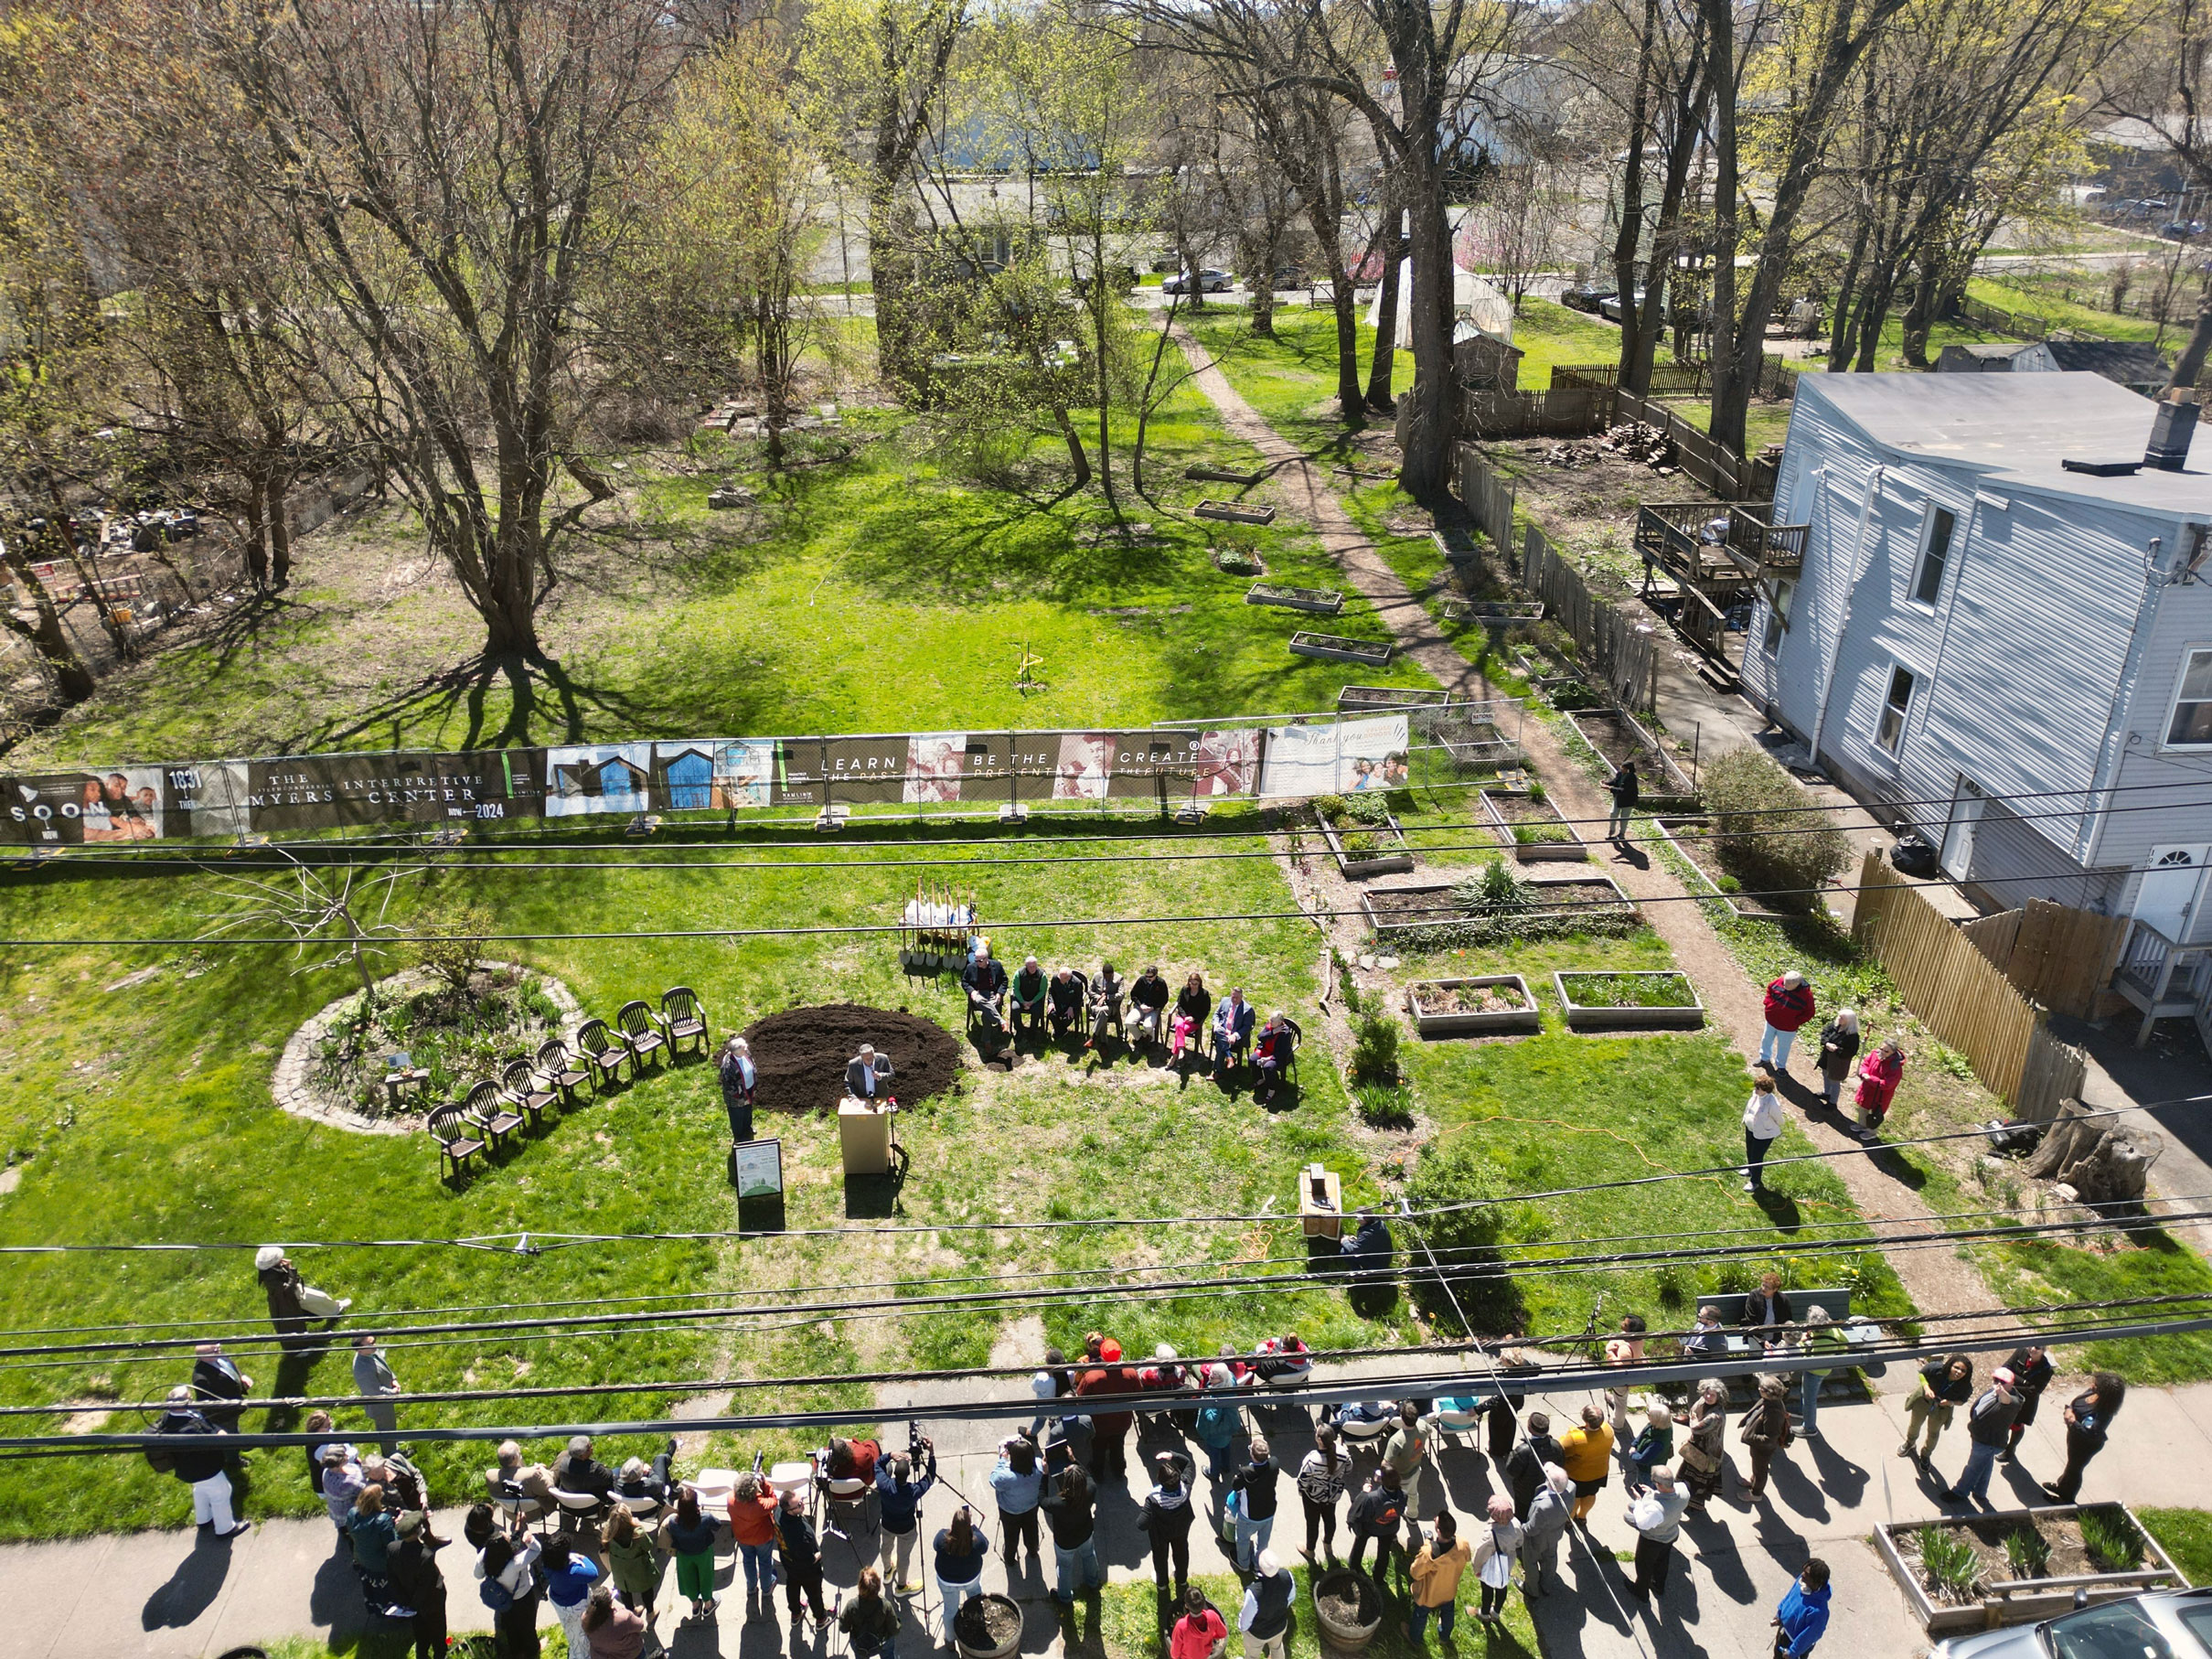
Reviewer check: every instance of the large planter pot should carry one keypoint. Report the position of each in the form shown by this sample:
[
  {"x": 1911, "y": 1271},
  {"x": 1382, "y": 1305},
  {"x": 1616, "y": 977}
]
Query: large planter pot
[
  {"x": 1596, "y": 1016},
  {"x": 1395, "y": 860},
  {"x": 1366, "y": 653},
  {"x": 1470, "y": 1022},
  {"x": 1505, "y": 810},
  {"x": 1003, "y": 1650},
  {"x": 1347, "y": 1635},
  {"x": 2007, "y": 1601}
]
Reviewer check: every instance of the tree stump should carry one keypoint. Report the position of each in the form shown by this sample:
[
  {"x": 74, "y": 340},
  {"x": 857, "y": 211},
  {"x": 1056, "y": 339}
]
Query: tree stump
[{"x": 2103, "y": 1159}]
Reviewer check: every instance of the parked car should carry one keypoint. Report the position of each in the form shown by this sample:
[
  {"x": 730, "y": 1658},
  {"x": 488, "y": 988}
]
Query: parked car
[
  {"x": 1610, "y": 306},
  {"x": 2161, "y": 1624},
  {"x": 1210, "y": 281},
  {"x": 1288, "y": 276},
  {"x": 2182, "y": 231},
  {"x": 1588, "y": 296}
]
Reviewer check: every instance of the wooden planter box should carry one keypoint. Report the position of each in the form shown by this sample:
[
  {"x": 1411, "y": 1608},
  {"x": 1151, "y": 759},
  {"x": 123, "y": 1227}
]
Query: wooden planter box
[
  {"x": 1743, "y": 909},
  {"x": 1617, "y": 735},
  {"x": 1320, "y": 601},
  {"x": 1207, "y": 474},
  {"x": 1363, "y": 652},
  {"x": 1230, "y": 512},
  {"x": 1458, "y": 545},
  {"x": 1585, "y": 1017},
  {"x": 1357, "y": 866},
  {"x": 1239, "y": 564},
  {"x": 1572, "y": 850},
  {"x": 1389, "y": 696},
  {"x": 1526, "y": 1017},
  {"x": 1384, "y": 924},
  {"x": 2019, "y": 1600},
  {"x": 1482, "y": 744},
  {"x": 1494, "y": 613}
]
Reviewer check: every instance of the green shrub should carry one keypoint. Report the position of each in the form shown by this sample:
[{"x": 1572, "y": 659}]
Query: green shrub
[
  {"x": 1374, "y": 1048},
  {"x": 1497, "y": 888},
  {"x": 1536, "y": 791},
  {"x": 1764, "y": 836},
  {"x": 2028, "y": 1551},
  {"x": 1949, "y": 1562},
  {"x": 1383, "y": 1105},
  {"x": 1455, "y": 1171},
  {"x": 450, "y": 939},
  {"x": 1367, "y": 809},
  {"x": 1675, "y": 1283},
  {"x": 2111, "y": 1539}
]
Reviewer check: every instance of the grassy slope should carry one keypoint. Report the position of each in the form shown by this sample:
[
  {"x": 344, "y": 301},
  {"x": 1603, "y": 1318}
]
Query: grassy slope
[{"x": 887, "y": 596}]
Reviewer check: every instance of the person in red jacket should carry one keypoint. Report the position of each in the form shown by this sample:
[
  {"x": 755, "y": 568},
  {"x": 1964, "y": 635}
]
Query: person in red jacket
[
  {"x": 1879, "y": 1075},
  {"x": 1789, "y": 1006},
  {"x": 1110, "y": 1428}
]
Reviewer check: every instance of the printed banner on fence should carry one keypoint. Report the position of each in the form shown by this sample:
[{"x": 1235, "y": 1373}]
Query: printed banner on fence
[
  {"x": 294, "y": 794},
  {"x": 1338, "y": 757}
]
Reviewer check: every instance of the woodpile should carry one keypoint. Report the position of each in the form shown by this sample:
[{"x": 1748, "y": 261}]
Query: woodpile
[
  {"x": 1628, "y": 441},
  {"x": 2101, "y": 1160}
]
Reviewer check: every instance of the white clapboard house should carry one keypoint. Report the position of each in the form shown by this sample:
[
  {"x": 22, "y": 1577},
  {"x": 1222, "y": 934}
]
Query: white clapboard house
[{"x": 2000, "y": 627}]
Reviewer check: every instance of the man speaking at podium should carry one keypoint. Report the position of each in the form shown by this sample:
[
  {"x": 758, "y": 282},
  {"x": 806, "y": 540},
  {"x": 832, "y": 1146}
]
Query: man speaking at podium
[{"x": 868, "y": 1076}]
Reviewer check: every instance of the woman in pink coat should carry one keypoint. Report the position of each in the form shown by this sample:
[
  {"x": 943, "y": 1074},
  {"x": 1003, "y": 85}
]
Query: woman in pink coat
[{"x": 1879, "y": 1075}]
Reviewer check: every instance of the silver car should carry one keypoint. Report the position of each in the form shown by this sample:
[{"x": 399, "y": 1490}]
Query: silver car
[{"x": 2163, "y": 1624}]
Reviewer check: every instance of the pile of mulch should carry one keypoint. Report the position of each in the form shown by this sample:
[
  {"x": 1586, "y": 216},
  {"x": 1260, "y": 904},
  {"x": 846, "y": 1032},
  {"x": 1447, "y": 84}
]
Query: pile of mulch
[
  {"x": 1349, "y": 1600},
  {"x": 800, "y": 1054},
  {"x": 987, "y": 1622}
]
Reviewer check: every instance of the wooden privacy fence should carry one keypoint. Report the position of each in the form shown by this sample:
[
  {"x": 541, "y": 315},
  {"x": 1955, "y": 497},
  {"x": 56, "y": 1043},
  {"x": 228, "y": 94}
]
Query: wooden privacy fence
[
  {"x": 1717, "y": 466},
  {"x": 1960, "y": 995},
  {"x": 1563, "y": 411},
  {"x": 2052, "y": 954},
  {"x": 1612, "y": 648},
  {"x": 1668, "y": 379}
]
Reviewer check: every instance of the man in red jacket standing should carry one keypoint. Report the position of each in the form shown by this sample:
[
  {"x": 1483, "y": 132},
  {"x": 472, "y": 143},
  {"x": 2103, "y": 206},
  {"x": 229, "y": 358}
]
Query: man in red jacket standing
[{"x": 1789, "y": 1006}]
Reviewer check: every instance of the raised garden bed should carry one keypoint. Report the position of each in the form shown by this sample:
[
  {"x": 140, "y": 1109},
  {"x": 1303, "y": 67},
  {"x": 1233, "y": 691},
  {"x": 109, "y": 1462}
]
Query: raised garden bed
[
  {"x": 1458, "y": 544},
  {"x": 1232, "y": 512},
  {"x": 1622, "y": 737},
  {"x": 1661, "y": 1000},
  {"x": 1320, "y": 601},
  {"x": 2014, "y": 1566},
  {"x": 1362, "y": 848},
  {"x": 1710, "y": 878},
  {"x": 1534, "y": 829},
  {"x": 1389, "y": 696},
  {"x": 1561, "y": 905},
  {"x": 1207, "y": 473},
  {"x": 1238, "y": 562},
  {"x": 1480, "y": 1007},
  {"x": 1494, "y": 612},
  {"x": 1365, "y": 652}
]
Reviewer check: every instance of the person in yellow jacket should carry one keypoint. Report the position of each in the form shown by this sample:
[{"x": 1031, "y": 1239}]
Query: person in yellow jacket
[
  {"x": 1586, "y": 1454},
  {"x": 1436, "y": 1574}
]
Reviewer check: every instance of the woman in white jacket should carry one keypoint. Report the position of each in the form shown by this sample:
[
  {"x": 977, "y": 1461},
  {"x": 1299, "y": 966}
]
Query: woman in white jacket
[{"x": 1762, "y": 1123}]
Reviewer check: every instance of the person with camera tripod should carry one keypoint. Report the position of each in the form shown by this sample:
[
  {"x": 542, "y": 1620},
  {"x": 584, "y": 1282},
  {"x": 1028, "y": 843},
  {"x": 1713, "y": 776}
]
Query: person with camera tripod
[{"x": 899, "y": 1495}]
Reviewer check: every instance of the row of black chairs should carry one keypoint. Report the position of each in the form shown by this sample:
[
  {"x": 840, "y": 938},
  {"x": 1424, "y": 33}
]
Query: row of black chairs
[{"x": 528, "y": 1087}]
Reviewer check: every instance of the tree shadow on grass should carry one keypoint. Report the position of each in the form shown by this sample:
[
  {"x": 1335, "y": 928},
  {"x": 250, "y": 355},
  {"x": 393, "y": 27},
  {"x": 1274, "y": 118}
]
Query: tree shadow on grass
[{"x": 544, "y": 703}]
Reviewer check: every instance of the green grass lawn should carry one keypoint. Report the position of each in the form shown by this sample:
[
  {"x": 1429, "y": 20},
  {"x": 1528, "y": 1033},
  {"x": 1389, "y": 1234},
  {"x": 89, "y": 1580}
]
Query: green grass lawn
[
  {"x": 2046, "y": 297},
  {"x": 2185, "y": 1535}
]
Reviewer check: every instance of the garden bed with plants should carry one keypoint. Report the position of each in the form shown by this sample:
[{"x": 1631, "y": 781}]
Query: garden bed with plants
[
  {"x": 1526, "y": 823},
  {"x": 1232, "y": 512},
  {"x": 1691, "y": 839},
  {"x": 1390, "y": 697},
  {"x": 1496, "y": 904},
  {"x": 1320, "y": 601},
  {"x": 1363, "y": 836},
  {"x": 1663, "y": 1001},
  {"x": 1367, "y": 653},
  {"x": 1238, "y": 562},
  {"x": 1621, "y": 737},
  {"x": 458, "y": 1026},
  {"x": 2013, "y": 1566},
  {"x": 1482, "y": 1006}
]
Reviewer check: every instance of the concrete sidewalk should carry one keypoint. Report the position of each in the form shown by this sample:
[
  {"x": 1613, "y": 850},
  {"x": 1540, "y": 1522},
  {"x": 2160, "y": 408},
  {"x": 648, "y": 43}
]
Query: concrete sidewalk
[{"x": 172, "y": 1596}]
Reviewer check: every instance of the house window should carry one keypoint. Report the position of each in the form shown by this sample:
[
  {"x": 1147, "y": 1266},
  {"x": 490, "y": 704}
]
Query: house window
[
  {"x": 1896, "y": 704},
  {"x": 1778, "y": 613},
  {"x": 2191, "y": 727},
  {"x": 1927, "y": 586}
]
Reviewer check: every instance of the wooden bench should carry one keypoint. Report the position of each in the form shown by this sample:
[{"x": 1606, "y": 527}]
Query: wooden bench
[{"x": 449, "y": 1127}]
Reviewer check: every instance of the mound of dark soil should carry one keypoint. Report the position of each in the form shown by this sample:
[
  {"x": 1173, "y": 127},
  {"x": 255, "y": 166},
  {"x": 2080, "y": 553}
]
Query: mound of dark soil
[{"x": 800, "y": 1054}]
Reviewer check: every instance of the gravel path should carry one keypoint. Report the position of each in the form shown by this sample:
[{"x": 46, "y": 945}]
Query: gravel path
[{"x": 1940, "y": 1281}]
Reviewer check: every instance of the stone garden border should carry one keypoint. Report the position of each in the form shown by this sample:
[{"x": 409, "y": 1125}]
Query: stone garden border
[{"x": 294, "y": 1092}]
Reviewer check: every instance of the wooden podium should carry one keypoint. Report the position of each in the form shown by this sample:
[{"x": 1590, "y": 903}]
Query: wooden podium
[
  {"x": 1321, "y": 1203},
  {"x": 864, "y": 1135}
]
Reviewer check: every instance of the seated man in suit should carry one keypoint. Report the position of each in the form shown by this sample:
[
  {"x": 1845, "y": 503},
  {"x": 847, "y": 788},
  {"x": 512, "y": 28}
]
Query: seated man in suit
[
  {"x": 1030, "y": 986},
  {"x": 985, "y": 977},
  {"x": 218, "y": 1384},
  {"x": 1064, "y": 1001},
  {"x": 868, "y": 1075},
  {"x": 579, "y": 1472},
  {"x": 1232, "y": 1029},
  {"x": 534, "y": 1482}
]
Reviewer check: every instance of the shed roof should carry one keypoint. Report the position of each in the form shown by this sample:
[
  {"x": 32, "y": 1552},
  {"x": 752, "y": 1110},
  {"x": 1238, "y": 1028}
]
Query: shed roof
[
  {"x": 2015, "y": 429},
  {"x": 2129, "y": 362}
]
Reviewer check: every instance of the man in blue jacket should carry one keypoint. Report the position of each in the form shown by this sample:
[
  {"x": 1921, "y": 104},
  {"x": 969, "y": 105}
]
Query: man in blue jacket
[
  {"x": 1803, "y": 1618},
  {"x": 899, "y": 1495},
  {"x": 1231, "y": 1030}
]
